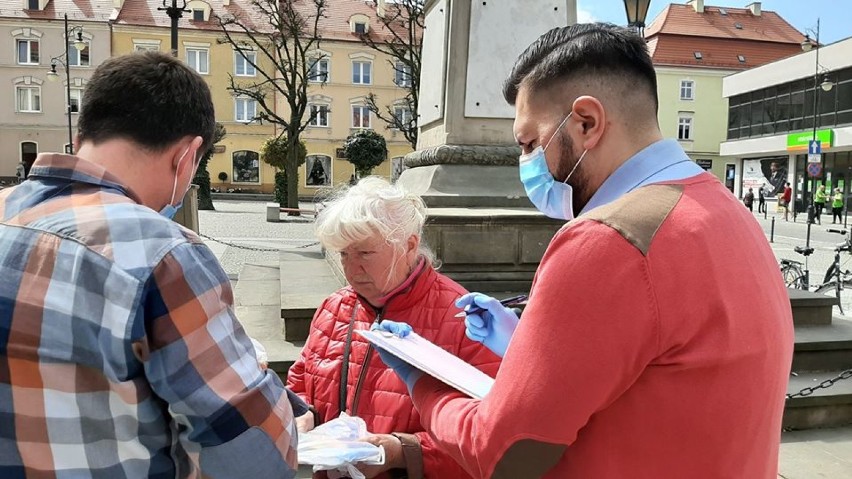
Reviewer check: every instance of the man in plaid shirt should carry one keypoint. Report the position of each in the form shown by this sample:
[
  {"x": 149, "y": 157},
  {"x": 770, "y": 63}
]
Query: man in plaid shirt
[{"x": 120, "y": 356}]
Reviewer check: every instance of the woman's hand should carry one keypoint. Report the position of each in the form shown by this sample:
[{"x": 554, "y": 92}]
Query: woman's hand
[
  {"x": 394, "y": 459},
  {"x": 305, "y": 422}
]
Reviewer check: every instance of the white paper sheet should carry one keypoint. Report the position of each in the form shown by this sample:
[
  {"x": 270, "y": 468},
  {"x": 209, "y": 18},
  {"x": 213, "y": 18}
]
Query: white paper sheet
[{"x": 434, "y": 361}]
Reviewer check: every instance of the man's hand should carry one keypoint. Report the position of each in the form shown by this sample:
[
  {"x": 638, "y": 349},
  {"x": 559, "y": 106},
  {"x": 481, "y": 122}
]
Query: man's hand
[
  {"x": 492, "y": 327},
  {"x": 394, "y": 458},
  {"x": 305, "y": 422}
]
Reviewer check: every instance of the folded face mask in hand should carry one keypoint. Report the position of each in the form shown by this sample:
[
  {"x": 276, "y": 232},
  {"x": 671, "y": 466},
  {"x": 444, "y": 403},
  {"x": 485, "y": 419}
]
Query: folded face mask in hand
[{"x": 335, "y": 446}]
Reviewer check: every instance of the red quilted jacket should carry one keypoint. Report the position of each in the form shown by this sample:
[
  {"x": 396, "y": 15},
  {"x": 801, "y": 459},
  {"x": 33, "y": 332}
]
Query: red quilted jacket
[{"x": 375, "y": 393}]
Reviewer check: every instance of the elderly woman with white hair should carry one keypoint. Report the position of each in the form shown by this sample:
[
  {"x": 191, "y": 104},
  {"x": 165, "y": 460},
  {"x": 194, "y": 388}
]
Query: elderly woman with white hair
[{"x": 376, "y": 228}]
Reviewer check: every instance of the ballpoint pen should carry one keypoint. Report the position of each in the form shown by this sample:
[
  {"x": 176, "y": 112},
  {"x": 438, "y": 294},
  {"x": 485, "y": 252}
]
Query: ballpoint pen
[{"x": 505, "y": 302}]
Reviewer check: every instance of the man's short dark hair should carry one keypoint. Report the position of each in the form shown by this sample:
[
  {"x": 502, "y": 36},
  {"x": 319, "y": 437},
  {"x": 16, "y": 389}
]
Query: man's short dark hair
[
  {"x": 595, "y": 50},
  {"x": 150, "y": 98}
]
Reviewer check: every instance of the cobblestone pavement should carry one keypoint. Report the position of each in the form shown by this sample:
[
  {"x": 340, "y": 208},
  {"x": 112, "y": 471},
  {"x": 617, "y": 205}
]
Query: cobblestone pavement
[{"x": 243, "y": 223}]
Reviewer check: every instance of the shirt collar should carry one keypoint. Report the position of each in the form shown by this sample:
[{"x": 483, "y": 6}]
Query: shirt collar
[
  {"x": 70, "y": 168},
  {"x": 663, "y": 160}
]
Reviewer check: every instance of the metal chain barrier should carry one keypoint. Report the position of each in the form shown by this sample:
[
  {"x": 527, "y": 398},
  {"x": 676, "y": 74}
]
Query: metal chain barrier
[
  {"x": 825, "y": 384},
  {"x": 255, "y": 248}
]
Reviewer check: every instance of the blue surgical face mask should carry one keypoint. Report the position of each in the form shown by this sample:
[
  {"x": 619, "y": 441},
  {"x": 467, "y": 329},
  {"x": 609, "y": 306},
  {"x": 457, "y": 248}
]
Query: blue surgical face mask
[
  {"x": 170, "y": 210},
  {"x": 549, "y": 196}
]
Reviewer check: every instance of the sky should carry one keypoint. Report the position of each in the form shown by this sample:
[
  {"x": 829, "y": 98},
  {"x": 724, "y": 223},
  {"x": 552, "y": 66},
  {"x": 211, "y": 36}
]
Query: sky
[{"x": 835, "y": 15}]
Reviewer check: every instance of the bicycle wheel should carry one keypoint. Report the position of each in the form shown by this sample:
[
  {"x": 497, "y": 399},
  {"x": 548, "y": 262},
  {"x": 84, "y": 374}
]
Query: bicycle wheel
[
  {"x": 793, "y": 276},
  {"x": 829, "y": 289}
]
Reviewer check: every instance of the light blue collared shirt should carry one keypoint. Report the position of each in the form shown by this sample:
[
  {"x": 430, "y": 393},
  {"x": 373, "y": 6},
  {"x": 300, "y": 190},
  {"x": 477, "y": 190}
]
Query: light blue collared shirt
[{"x": 660, "y": 161}]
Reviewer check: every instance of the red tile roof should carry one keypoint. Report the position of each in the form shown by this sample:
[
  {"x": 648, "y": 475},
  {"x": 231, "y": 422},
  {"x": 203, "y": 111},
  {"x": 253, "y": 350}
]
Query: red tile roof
[
  {"x": 679, "y": 50},
  {"x": 93, "y": 10},
  {"x": 679, "y": 31},
  {"x": 679, "y": 19},
  {"x": 333, "y": 26}
]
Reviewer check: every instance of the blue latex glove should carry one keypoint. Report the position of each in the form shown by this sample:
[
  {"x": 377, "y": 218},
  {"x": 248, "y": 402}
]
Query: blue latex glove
[
  {"x": 408, "y": 373},
  {"x": 492, "y": 327}
]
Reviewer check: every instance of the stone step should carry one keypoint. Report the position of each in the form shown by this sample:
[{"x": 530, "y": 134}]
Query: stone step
[
  {"x": 828, "y": 407},
  {"x": 258, "y": 308},
  {"x": 824, "y": 347},
  {"x": 306, "y": 279},
  {"x": 810, "y": 308}
]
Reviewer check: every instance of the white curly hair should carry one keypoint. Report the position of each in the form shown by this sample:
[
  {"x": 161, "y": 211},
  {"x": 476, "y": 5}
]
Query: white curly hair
[{"x": 372, "y": 207}]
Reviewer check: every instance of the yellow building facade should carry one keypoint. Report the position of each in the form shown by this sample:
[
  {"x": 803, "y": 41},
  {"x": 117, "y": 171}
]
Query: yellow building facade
[
  {"x": 339, "y": 100},
  {"x": 237, "y": 155},
  {"x": 340, "y": 93}
]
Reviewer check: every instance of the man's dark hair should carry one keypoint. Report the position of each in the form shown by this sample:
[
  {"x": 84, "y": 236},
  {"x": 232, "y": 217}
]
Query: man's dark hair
[
  {"x": 598, "y": 51},
  {"x": 150, "y": 98}
]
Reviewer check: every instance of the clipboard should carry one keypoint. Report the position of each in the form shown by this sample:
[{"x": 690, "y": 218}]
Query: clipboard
[{"x": 434, "y": 361}]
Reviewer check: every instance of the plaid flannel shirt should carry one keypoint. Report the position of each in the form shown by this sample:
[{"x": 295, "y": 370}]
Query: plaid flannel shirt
[{"x": 120, "y": 356}]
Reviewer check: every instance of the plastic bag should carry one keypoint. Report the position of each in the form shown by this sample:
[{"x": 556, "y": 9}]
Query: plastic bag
[{"x": 334, "y": 446}]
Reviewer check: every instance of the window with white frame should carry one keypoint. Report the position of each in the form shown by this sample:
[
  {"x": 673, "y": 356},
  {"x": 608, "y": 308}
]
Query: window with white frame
[
  {"x": 246, "y": 167},
  {"x": 245, "y": 62},
  {"x": 319, "y": 115},
  {"x": 198, "y": 15},
  {"x": 687, "y": 90},
  {"x": 360, "y": 116},
  {"x": 28, "y": 99},
  {"x": 76, "y": 100},
  {"x": 402, "y": 74},
  {"x": 28, "y": 51},
  {"x": 684, "y": 128},
  {"x": 198, "y": 59},
  {"x": 78, "y": 58},
  {"x": 361, "y": 72},
  {"x": 246, "y": 109},
  {"x": 318, "y": 70},
  {"x": 402, "y": 115}
]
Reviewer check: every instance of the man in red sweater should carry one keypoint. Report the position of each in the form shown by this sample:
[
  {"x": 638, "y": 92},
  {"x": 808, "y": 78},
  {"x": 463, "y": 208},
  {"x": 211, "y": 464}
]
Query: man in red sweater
[{"x": 658, "y": 337}]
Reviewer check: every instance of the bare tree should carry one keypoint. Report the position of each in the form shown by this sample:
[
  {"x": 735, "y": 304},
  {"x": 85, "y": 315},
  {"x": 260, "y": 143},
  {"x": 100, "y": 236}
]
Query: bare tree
[
  {"x": 400, "y": 36},
  {"x": 283, "y": 34}
]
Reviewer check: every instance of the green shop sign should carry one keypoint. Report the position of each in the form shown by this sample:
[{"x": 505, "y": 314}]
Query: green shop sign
[{"x": 799, "y": 141}]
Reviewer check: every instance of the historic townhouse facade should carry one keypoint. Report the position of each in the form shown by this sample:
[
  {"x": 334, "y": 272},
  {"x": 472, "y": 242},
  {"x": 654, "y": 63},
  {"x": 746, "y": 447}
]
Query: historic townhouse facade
[
  {"x": 693, "y": 47},
  {"x": 33, "y": 106},
  {"x": 33, "y": 117}
]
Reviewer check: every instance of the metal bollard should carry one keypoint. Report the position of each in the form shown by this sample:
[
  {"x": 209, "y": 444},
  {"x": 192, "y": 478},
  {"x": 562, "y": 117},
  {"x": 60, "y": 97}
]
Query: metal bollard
[
  {"x": 765, "y": 211},
  {"x": 772, "y": 231}
]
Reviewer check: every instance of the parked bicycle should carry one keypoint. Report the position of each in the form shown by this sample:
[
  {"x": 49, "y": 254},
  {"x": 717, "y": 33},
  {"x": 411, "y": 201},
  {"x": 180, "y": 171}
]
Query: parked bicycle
[{"x": 835, "y": 281}]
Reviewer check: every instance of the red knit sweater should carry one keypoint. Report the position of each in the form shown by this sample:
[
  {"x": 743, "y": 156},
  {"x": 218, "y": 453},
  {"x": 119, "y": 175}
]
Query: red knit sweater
[{"x": 657, "y": 343}]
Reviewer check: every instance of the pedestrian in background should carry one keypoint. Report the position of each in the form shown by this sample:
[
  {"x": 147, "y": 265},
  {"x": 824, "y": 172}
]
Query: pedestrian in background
[
  {"x": 120, "y": 354},
  {"x": 837, "y": 206},
  {"x": 21, "y": 172},
  {"x": 819, "y": 202},
  {"x": 748, "y": 199},
  {"x": 761, "y": 199},
  {"x": 603, "y": 378},
  {"x": 786, "y": 198}
]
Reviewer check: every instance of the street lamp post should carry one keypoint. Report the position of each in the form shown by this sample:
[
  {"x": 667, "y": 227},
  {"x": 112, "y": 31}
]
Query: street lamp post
[
  {"x": 80, "y": 45},
  {"x": 175, "y": 12},
  {"x": 637, "y": 10},
  {"x": 825, "y": 85}
]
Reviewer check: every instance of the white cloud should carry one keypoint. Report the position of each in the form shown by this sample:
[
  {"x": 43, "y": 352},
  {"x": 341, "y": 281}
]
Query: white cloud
[{"x": 585, "y": 16}]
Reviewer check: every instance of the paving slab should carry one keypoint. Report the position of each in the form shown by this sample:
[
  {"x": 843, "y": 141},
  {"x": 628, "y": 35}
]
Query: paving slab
[{"x": 816, "y": 453}]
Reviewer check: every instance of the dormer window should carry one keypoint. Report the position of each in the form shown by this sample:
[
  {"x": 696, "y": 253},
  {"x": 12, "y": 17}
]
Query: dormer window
[
  {"x": 200, "y": 10},
  {"x": 359, "y": 24},
  {"x": 33, "y": 5}
]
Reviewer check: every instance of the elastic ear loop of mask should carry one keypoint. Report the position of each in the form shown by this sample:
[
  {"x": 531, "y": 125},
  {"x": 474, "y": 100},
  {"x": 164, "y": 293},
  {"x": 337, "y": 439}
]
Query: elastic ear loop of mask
[{"x": 174, "y": 185}]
